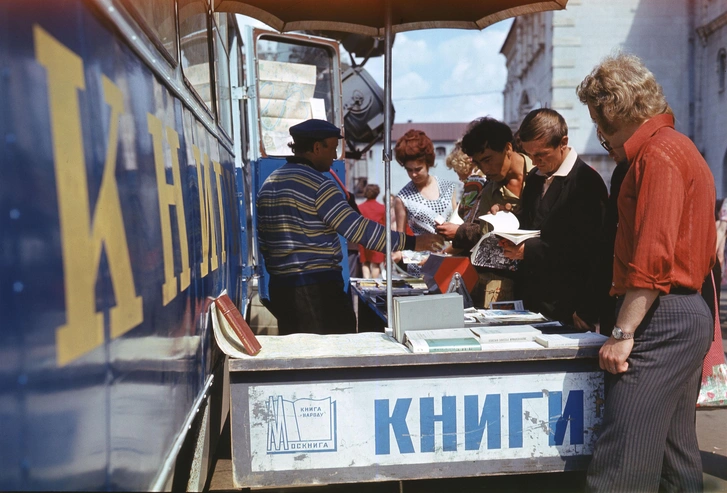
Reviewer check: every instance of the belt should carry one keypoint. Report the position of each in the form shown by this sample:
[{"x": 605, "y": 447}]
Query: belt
[
  {"x": 679, "y": 290},
  {"x": 674, "y": 290}
]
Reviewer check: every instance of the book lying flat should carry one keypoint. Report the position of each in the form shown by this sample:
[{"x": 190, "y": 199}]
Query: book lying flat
[
  {"x": 510, "y": 346},
  {"x": 507, "y": 333},
  {"x": 507, "y": 317},
  {"x": 506, "y": 225},
  {"x": 580, "y": 339},
  {"x": 442, "y": 340}
]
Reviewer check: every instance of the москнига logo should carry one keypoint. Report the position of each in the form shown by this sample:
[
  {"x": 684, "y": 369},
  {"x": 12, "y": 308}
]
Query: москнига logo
[{"x": 301, "y": 425}]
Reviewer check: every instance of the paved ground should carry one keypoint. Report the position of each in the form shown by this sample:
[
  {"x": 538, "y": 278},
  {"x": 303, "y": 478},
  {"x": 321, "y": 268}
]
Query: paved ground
[{"x": 711, "y": 431}]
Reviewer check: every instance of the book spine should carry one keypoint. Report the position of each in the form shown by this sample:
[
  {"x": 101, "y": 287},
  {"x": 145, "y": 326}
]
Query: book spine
[
  {"x": 453, "y": 349},
  {"x": 238, "y": 324},
  {"x": 505, "y": 338}
]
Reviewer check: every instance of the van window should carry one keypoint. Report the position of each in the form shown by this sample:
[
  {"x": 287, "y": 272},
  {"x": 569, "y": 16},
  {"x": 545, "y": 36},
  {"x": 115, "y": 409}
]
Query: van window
[
  {"x": 295, "y": 83},
  {"x": 158, "y": 21},
  {"x": 194, "y": 45}
]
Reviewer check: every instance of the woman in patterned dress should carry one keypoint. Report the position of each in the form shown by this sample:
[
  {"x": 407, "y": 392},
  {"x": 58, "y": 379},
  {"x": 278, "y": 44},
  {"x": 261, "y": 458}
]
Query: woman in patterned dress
[{"x": 425, "y": 197}]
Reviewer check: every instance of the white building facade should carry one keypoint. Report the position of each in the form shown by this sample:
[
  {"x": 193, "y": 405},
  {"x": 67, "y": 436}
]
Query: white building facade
[
  {"x": 711, "y": 107},
  {"x": 548, "y": 55}
]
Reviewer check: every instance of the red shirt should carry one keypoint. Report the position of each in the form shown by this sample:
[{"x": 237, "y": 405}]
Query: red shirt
[
  {"x": 666, "y": 235},
  {"x": 371, "y": 209}
]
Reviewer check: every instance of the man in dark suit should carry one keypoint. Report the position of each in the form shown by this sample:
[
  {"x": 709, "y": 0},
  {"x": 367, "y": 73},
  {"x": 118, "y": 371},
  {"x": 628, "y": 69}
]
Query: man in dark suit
[{"x": 561, "y": 272}]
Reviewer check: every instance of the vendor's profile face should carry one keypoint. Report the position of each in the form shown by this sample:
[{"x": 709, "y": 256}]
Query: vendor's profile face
[
  {"x": 493, "y": 164},
  {"x": 327, "y": 153},
  {"x": 418, "y": 171},
  {"x": 546, "y": 157}
]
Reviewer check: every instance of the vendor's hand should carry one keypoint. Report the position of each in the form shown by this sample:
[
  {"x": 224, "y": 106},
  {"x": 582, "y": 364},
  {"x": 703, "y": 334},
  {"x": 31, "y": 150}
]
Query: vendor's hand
[
  {"x": 429, "y": 241},
  {"x": 448, "y": 230},
  {"x": 396, "y": 257},
  {"x": 580, "y": 323},
  {"x": 513, "y": 251},
  {"x": 497, "y": 208},
  {"x": 613, "y": 355}
]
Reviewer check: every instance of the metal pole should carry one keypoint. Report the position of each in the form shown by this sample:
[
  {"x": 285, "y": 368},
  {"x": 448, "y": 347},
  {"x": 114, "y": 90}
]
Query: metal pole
[{"x": 387, "y": 156}]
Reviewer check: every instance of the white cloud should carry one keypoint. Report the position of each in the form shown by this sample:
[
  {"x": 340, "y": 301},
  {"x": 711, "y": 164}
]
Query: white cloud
[
  {"x": 409, "y": 85},
  {"x": 409, "y": 53},
  {"x": 439, "y": 64}
]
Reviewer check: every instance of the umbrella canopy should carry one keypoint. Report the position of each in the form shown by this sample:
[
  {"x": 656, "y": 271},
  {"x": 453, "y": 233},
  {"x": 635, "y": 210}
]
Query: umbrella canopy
[
  {"x": 369, "y": 16},
  {"x": 383, "y": 18}
]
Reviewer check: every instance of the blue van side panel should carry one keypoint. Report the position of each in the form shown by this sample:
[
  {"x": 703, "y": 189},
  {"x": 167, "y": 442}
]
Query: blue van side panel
[{"x": 107, "y": 418}]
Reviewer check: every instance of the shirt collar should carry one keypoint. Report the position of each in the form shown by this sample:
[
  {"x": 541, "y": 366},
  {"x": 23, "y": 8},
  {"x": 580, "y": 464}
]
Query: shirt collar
[
  {"x": 566, "y": 166},
  {"x": 645, "y": 132},
  {"x": 300, "y": 160}
]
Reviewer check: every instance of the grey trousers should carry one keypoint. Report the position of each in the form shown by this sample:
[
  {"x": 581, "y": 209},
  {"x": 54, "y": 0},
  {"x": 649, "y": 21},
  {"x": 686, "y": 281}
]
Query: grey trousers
[{"x": 649, "y": 436}]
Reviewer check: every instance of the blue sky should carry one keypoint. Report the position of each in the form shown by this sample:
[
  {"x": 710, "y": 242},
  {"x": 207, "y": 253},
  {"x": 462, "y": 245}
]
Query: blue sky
[{"x": 444, "y": 75}]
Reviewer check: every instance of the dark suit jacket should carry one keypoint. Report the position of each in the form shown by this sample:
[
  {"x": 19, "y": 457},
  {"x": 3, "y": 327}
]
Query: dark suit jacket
[{"x": 561, "y": 271}]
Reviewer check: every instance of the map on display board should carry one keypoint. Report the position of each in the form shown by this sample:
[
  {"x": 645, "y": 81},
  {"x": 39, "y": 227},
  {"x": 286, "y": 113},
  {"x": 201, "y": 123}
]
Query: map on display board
[{"x": 286, "y": 98}]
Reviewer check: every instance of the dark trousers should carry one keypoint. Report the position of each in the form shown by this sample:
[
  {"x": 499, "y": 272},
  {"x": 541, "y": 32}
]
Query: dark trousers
[
  {"x": 321, "y": 308},
  {"x": 649, "y": 436}
]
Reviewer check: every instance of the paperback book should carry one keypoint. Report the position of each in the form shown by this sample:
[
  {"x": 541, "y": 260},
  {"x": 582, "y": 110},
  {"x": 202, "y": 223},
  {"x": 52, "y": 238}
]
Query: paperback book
[
  {"x": 581, "y": 339},
  {"x": 442, "y": 341},
  {"x": 507, "y": 333}
]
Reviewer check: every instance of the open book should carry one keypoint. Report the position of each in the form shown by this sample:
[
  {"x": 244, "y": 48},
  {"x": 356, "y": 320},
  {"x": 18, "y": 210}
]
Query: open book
[{"x": 505, "y": 225}]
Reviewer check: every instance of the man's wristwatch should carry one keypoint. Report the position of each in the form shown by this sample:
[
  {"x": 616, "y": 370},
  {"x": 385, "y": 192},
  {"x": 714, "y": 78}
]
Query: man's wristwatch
[{"x": 619, "y": 334}]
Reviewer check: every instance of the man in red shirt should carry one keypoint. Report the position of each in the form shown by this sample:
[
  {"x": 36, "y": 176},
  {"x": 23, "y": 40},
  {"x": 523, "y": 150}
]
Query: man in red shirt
[{"x": 663, "y": 250}]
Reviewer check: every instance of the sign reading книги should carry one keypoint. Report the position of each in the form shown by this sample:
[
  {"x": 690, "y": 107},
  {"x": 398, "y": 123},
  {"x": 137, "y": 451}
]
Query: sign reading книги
[{"x": 392, "y": 422}]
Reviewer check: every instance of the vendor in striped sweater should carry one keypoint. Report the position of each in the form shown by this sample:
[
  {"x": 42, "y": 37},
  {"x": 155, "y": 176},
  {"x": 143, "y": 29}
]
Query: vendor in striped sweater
[{"x": 300, "y": 213}]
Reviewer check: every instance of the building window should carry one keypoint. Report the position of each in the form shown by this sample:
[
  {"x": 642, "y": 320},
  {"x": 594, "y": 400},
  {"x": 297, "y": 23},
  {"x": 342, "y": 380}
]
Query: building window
[
  {"x": 525, "y": 105},
  {"x": 721, "y": 68},
  {"x": 441, "y": 151}
]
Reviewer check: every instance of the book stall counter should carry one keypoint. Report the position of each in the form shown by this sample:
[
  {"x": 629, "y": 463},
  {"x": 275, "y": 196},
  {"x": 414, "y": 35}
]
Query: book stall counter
[{"x": 312, "y": 410}]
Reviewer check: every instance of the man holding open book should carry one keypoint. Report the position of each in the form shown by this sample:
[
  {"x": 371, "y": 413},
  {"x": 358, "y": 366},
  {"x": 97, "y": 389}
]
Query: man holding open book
[
  {"x": 560, "y": 272},
  {"x": 489, "y": 143}
]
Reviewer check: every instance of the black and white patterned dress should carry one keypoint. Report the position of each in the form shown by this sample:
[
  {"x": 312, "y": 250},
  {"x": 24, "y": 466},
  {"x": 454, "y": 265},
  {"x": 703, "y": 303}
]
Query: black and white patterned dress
[{"x": 422, "y": 211}]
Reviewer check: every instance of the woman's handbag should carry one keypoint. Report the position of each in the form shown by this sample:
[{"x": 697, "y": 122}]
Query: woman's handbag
[{"x": 713, "y": 391}]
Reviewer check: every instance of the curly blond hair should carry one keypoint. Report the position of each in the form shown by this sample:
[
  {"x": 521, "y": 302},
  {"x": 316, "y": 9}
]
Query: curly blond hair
[
  {"x": 458, "y": 161},
  {"x": 622, "y": 89}
]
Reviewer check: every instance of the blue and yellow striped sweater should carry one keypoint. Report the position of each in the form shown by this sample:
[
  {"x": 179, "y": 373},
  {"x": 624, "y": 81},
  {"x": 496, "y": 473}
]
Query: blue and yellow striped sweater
[{"x": 299, "y": 212}]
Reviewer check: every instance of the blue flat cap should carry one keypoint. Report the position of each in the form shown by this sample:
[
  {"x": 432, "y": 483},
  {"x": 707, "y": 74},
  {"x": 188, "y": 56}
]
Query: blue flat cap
[{"x": 315, "y": 129}]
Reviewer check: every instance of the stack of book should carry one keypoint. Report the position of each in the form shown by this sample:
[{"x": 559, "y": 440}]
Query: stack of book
[
  {"x": 510, "y": 333},
  {"x": 426, "y": 312},
  {"x": 503, "y": 317}
]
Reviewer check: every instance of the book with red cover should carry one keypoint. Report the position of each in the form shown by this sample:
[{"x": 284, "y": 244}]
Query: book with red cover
[{"x": 238, "y": 324}]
